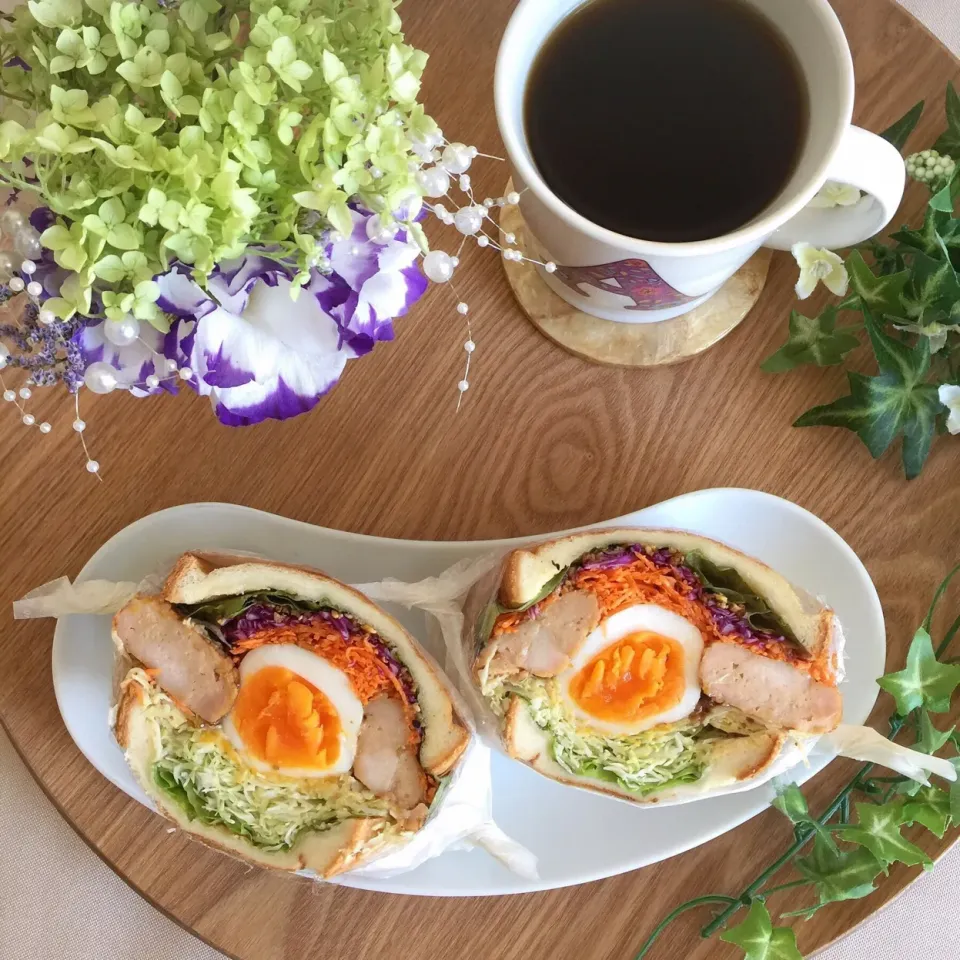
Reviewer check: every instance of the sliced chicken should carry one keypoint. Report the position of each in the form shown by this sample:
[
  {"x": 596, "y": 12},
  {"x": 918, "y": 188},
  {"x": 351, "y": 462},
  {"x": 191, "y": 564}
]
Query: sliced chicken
[
  {"x": 545, "y": 645},
  {"x": 190, "y": 666},
  {"x": 772, "y": 691},
  {"x": 385, "y": 762}
]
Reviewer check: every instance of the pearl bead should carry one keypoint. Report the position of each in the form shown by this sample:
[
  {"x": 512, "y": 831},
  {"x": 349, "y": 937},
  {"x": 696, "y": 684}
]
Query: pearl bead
[
  {"x": 335, "y": 236},
  {"x": 488, "y": 203},
  {"x": 93, "y": 466},
  {"x": 153, "y": 381},
  {"x": 25, "y": 393},
  {"x": 455, "y": 261},
  {"x": 4, "y": 352},
  {"x": 440, "y": 210},
  {"x": 438, "y": 266},
  {"x": 510, "y": 238},
  {"x": 463, "y": 386},
  {"x": 6, "y": 266},
  {"x": 433, "y": 181},
  {"x": 9, "y": 396},
  {"x": 12, "y": 220},
  {"x": 456, "y": 158},
  {"x": 550, "y": 267},
  {"x": 447, "y": 219},
  {"x": 464, "y": 183},
  {"x": 26, "y": 242},
  {"x": 512, "y": 198},
  {"x": 28, "y": 267},
  {"x": 171, "y": 366},
  {"x": 469, "y": 346},
  {"x": 28, "y": 419},
  {"x": 46, "y": 317},
  {"x": 121, "y": 333},
  {"x": 468, "y": 221},
  {"x": 79, "y": 426},
  {"x": 473, "y": 151},
  {"x": 100, "y": 377},
  {"x": 185, "y": 373},
  {"x": 483, "y": 241},
  {"x": 16, "y": 284},
  {"x": 463, "y": 309},
  {"x": 34, "y": 288},
  {"x": 45, "y": 427},
  {"x": 377, "y": 232},
  {"x": 376, "y": 173}
]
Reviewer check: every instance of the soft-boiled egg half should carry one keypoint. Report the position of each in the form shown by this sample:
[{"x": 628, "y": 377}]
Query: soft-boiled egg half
[
  {"x": 637, "y": 669},
  {"x": 295, "y": 714}
]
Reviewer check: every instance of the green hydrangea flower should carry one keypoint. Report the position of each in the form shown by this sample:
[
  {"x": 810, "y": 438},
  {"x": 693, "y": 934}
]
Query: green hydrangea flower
[{"x": 161, "y": 132}]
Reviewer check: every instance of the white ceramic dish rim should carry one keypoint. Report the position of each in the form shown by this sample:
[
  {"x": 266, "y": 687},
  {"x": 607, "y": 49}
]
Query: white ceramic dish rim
[{"x": 396, "y": 885}]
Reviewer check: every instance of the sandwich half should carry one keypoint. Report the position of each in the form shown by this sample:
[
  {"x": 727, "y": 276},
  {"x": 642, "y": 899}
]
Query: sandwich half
[
  {"x": 279, "y": 715},
  {"x": 653, "y": 665}
]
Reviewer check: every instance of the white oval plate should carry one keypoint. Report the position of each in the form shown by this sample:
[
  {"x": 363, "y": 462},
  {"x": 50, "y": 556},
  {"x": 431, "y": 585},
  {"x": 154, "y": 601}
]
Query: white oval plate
[{"x": 577, "y": 836}]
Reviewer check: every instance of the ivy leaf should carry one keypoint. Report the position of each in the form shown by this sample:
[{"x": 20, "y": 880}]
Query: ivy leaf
[
  {"x": 933, "y": 285},
  {"x": 931, "y": 807},
  {"x": 927, "y": 239},
  {"x": 881, "y": 295},
  {"x": 897, "y": 401},
  {"x": 760, "y": 940},
  {"x": 792, "y": 803},
  {"x": 840, "y": 875},
  {"x": 949, "y": 140},
  {"x": 812, "y": 340},
  {"x": 955, "y": 792},
  {"x": 931, "y": 739},
  {"x": 878, "y": 829},
  {"x": 897, "y": 133},
  {"x": 924, "y": 681},
  {"x": 943, "y": 199}
]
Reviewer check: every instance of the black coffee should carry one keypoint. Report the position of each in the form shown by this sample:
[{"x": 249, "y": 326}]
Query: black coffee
[{"x": 668, "y": 120}]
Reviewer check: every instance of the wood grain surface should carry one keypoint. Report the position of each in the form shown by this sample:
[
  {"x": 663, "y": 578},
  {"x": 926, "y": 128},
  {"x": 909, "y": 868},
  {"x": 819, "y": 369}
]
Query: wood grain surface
[{"x": 544, "y": 441}]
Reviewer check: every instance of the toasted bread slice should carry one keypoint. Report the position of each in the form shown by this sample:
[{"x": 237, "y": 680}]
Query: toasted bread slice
[{"x": 198, "y": 577}]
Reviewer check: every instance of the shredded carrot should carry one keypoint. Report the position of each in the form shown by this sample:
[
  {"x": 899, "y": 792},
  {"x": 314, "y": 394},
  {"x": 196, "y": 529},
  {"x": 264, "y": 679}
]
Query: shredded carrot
[
  {"x": 644, "y": 582},
  {"x": 369, "y": 676}
]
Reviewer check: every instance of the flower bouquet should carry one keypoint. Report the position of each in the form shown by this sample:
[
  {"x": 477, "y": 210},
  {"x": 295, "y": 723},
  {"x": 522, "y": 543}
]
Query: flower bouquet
[{"x": 229, "y": 196}]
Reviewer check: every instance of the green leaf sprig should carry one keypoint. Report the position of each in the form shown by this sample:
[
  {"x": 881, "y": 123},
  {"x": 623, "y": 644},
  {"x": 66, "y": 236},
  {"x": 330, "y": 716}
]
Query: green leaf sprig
[
  {"x": 906, "y": 295},
  {"x": 842, "y": 853},
  {"x": 193, "y": 131}
]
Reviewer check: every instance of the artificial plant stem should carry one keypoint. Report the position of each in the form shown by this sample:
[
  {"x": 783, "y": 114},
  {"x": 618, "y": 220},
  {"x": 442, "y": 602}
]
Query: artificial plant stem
[
  {"x": 786, "y": 886},
  {"x": 721, "y": 919},
  {"x": 683, "y": 908}
]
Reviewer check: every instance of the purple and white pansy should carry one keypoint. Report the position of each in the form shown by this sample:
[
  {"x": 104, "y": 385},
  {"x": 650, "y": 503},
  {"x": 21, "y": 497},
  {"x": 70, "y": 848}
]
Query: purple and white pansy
[{"x": 254, "y": 350}]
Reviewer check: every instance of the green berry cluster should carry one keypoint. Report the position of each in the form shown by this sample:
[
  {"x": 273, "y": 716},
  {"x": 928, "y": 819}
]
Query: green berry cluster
[{"x": 928, "y": 166}]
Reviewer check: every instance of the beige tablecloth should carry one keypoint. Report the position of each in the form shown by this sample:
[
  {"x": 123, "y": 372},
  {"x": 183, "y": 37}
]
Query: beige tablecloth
[{"x": 58, "y": 901}]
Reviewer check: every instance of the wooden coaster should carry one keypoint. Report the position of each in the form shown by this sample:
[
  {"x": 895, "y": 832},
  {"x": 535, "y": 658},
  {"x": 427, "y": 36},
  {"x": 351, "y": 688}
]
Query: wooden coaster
[{"x": 629, "y": 344}]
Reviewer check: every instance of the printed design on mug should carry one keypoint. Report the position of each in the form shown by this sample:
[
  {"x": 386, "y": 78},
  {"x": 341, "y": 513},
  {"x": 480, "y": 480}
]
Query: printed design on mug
[{"x": 627, "y": 284}]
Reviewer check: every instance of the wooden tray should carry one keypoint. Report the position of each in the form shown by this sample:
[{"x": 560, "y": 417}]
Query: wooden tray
[{"x": 544, "y": 441}]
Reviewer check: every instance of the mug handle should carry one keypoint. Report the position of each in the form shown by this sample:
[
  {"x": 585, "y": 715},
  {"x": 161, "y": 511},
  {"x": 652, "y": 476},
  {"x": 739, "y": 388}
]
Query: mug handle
[{"x": 867, "y": 162}]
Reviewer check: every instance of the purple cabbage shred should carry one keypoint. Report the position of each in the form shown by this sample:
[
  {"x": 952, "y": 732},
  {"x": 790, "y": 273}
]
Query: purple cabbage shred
[{"x": 728, "y": 622}]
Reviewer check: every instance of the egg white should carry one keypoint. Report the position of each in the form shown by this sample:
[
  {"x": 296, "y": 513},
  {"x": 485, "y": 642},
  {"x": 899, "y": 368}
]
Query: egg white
[
  {"x": 656, "y": 619},
  {"x": 328, "y": 679}
]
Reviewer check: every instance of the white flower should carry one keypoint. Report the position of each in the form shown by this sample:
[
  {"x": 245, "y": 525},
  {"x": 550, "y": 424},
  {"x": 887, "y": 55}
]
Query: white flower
[
  {"x": 833, "y": 194},
  {"x": 950, "y": 398},
  {"x": 818, "y": 264}
]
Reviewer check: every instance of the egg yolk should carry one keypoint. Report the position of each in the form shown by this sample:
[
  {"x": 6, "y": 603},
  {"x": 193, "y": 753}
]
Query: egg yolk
[
  {"x": 286, "y": 721},
  {"x": 636, "y": 677}
]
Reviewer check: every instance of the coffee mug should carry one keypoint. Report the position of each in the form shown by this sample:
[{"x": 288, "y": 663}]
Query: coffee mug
[{"x": 621, "y": 278}]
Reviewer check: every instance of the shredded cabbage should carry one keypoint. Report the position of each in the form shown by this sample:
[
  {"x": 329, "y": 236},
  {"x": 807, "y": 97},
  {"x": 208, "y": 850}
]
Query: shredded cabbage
[
  {"x": 642, "y": 763},
  {"x": 197, "y": 769}
]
